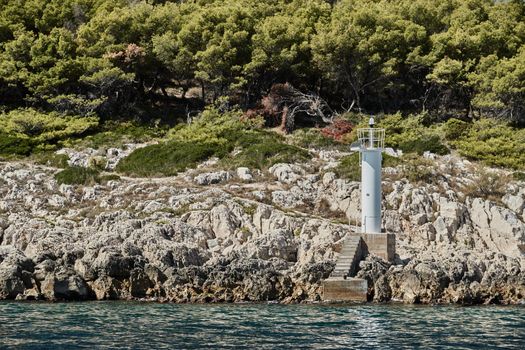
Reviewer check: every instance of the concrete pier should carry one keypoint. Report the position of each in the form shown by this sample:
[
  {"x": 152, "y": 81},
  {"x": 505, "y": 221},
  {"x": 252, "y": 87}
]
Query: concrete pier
[{"x": 350, "y": 289}]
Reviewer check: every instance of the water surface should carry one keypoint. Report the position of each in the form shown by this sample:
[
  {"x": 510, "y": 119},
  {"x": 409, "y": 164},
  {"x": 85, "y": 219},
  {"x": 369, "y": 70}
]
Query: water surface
[{"x": 110, "y": 325}]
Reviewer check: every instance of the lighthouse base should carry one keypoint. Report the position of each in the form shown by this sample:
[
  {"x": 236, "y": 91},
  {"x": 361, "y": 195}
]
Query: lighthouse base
[
  {"x": 382, "y": 245},
  {"x": 342, "y": 286},
  {"x": 345, "y": 290}
]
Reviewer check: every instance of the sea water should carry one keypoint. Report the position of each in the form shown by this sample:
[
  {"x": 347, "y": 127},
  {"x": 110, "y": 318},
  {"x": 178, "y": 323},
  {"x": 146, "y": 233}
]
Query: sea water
[{"x": 129, "y": 325}]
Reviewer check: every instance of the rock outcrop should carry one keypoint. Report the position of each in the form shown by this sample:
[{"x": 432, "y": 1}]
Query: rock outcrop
[{"x": 215, "y": 236}]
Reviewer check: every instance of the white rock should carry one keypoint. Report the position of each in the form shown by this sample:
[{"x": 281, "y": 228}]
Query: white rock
[
  {"x": 328, "y": 178},
  {"x": 206, "y": 179},
  {"x": 515, "y": 203},
  {"x": 286, "y": 199},
  {"x": 244, "y": 174},
  {"x": 442, "y": 233},
  {"x": 286, "y": 173}
]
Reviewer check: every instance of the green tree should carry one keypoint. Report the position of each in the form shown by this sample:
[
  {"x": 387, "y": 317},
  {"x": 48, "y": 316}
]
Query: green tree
[
  {"x": 500, "y": 86},
  {"x": 362, "y": 48},
  {"x": 282, "y": 45}
]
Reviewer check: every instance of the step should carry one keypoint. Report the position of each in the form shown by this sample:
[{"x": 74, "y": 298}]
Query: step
[
  {"x": 348, "y": 259},
  {"x": 344, "y": 264},
  {"x": 345, "y": 259},
  {"x": 348, "y": 251},
  {"x": 346, "y": 270}
]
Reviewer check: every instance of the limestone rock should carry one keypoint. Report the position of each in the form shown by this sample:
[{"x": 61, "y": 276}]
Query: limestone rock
[
  {"x": 244, "y": 174},
  {"x": 206, "y": 179},
  {"x": 286, "y": 173}
]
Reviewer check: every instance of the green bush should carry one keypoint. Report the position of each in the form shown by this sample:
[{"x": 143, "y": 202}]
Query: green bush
[
  {"x": 313, "y": 138},
  {"x": 76, "y": 175},
  {"x": 390, "y": 161},
  {"x": 266, "y": 153},
  {"x": 423, "y": 143},
  {"x": 454, "y": 129},
  {"x": 519, "y": 176},
  {"x": 212, "y": 126},
  {"x": 487, "y": 185},
  {"x": 418, "y": 169},
  {"x": 44, "y": 127},
  {"x": 116, "y": 135},
  {"x": 493, "y": 143},
  {"x": 12, "y": 145},
  {"x": 52, "y": 159},
  {"x": 166, "y": 159},
  {"x": 349, "y": 167},
  {"x": 411, "y": 136},
  {"x": 213, "y": 134}
]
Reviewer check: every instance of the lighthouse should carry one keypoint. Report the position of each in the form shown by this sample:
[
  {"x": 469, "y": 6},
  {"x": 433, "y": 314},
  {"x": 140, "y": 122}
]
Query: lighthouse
[
  {"x": 343, "y": 284},
  {"x": 370, "y": 145}
]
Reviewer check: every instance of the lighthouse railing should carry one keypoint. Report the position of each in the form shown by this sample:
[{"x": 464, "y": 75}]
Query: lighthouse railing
[{"x": 371, "y": 138}]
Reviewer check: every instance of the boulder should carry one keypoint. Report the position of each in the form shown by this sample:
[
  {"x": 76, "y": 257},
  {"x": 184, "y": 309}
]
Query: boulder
[
  {"x": 206, "y": 179},
  {"x": 244, "y": 174}
]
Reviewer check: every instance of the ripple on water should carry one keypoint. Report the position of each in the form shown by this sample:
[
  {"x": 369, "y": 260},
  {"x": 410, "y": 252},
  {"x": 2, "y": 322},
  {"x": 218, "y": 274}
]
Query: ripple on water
[{"x": 109, "y": 325}]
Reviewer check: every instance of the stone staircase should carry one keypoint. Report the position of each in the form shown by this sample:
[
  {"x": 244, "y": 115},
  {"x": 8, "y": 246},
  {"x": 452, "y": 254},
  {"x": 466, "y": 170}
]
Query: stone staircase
[
  {"x": 349, "y": 257},
  {"x": 341, "y": 286}
]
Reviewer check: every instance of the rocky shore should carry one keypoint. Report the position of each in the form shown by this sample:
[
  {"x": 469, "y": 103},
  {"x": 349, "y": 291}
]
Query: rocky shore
[{"x": 211, "y": 235}]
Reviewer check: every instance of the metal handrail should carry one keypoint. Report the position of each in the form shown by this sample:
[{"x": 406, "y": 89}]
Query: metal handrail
[{"x": 371, "y": 138}]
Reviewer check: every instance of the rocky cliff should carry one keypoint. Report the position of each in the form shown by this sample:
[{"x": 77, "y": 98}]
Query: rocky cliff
[{"x": 211, "y": 236}]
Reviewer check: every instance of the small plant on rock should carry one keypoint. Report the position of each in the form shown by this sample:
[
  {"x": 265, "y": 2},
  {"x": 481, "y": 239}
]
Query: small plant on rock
[{"x": 75, "y": 175}]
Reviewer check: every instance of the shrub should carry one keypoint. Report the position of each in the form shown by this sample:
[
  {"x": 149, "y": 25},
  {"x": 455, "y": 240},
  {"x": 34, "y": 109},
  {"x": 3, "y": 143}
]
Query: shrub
[
  {"x": 411, "y": 136},
  {"x": 519, "y": 176},
  {"x": 390, "y": 161},
  {"x": 454, "y": 129},
  {"x": 44, "y": 127},
  {"x": 76, "y": 175},
  {"x": 314, "y": 138},
  {"x": 349, "y": 168},
  {"x": 267, "y": 153},
  {"x": 423, "y": 143},
  {"x": 166, "y": 159},
  {"x": 494, "y": 143},
  {"x": 97, "y": 162},
  {"x": 487, "y": 185},
  {"x": 418, "y": 169},
  {"x": 213, "y": 134},
  {"x": 213, "y": 126},
  {"x": 52, "y": 159},
  {"x": 116, "y": 135},
  {"x": 12, "y": 145},
  {"x": 338, "y": 129}
]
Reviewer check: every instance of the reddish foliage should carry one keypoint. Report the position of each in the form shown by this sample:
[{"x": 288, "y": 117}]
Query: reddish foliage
[
  {"x": 132, "y": 54},
  {"x": 337, "y": 129},
  {"x": 272, "y": 106}
]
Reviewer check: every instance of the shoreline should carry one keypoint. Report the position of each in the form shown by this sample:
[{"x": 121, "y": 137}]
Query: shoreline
[{"x": 276, "y": 236}]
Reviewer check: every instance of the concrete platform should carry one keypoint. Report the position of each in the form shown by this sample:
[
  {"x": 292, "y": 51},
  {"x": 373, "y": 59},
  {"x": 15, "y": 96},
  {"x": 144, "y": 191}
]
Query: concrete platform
[
  {"x": 382, "y": 245},
  {"x": 350, "y": 289}
]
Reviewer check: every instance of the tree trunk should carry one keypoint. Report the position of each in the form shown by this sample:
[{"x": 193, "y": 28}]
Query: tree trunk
[
  {"x": 203, "y": 92},
  {"x": 284, "y": 119}
]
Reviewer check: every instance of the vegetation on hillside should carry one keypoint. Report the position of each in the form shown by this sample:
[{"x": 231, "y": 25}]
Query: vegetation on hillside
[
  {"x": 227, "y": 136},
  {"x": 440, "y": 75},
  {"x": 146, "y": 59}
]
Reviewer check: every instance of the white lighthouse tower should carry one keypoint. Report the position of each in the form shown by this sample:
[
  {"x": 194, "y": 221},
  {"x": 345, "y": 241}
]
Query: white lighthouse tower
[
  {"x": 343, "y": 285},
  {"x": 370, "y": 145}
]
